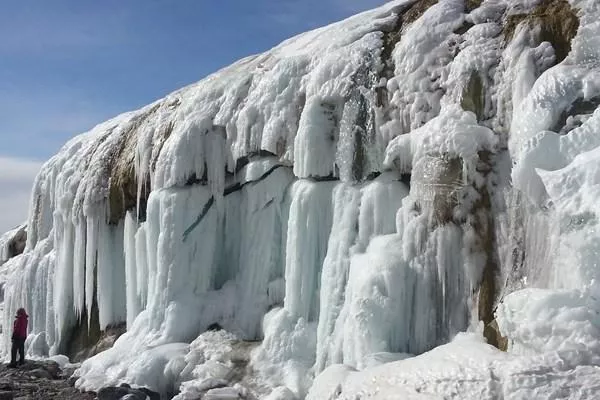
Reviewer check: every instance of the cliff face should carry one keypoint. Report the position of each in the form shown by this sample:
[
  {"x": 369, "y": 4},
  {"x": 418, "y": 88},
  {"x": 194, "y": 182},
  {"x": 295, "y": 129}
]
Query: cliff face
[
  {"x": 12, "y": 243},
  {"x": 374, "y": 186}
]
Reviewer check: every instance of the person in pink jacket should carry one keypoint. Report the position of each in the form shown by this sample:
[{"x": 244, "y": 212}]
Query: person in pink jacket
[{"x": 18, "y": 338}]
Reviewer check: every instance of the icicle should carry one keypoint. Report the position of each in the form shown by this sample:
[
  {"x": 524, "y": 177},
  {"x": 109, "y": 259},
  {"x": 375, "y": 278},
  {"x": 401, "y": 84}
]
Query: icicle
[
  {"x": 91, "y": 256},
  {"x": 260, "y": 246},
  {"x": 63, "y": 294},
  {"x": 111, "y": 275},
  {"x": 315, "y": 143},
  {"x": 129, "y": 248},
  {"x": 216, "y": 164},
  {"x": 346, "y": 202},
  {"x": 141, "y": 262},
  {"x": 79, "y": 257},
  {"x": 308, "y": 231}
]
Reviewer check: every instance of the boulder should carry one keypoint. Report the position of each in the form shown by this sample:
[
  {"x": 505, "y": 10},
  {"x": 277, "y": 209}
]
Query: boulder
[
  {"x": 40, "y": 374},
  {"x": 125, "y": 392},
  {"x": 112, "y": 393}
]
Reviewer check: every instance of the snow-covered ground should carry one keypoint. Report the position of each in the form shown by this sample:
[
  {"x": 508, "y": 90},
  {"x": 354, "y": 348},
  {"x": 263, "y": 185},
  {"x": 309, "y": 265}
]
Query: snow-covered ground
[
  {"x": 555, "y": 338},
  {"x": 356, "y": 199}
]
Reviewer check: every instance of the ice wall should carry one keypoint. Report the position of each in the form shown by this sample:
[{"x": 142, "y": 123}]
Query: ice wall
[{"x": 359, "y": 192}]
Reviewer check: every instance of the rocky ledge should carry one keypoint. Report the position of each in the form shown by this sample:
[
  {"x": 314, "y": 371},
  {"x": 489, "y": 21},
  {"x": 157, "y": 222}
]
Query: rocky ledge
[{"x": 43, "y": 380}]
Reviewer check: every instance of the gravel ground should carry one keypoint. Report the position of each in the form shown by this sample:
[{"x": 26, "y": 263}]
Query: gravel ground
[{"x": 39, "y": 380}]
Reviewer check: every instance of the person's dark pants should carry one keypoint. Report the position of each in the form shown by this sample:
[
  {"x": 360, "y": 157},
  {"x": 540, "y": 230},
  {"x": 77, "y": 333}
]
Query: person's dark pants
[{"x": 18, "y": 345}]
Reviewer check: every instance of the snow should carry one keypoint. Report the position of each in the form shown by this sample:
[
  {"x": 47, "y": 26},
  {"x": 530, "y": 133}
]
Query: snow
[
  {"x": 335, "y": 213},
  {"x": 554, "y": 354},
  {"x": 539, "y": 321},
  {"x": 206, "y": 363},
  {"x": 329, "y": 382},
  {"x": 466, "y": 368},
  {"x": 454, "y": 133}
]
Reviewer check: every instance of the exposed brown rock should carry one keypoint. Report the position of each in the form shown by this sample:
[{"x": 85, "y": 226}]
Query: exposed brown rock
[
  {"x": 87, "y": 342},
  {"x": 483, "y": 224},
  {"x": 83, "y": 335},
  {"x": 165, "y": 133},
  {"x": 557, "y": 21},
  {"x": 86, "y": 339},
  {"x": 391, "y": 37},
  {"x": 123, "y": 182},
  {"x": 415, "y": 11},
  {"x": 492, "y": 333}
]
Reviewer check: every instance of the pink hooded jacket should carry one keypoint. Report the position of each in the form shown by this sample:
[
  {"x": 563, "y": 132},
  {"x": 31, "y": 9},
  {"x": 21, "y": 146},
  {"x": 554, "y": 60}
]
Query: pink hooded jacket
[{"x": 20, "y": 325}]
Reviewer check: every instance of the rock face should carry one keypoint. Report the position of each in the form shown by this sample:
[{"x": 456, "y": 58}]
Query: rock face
[
  {"x": 557, "y": 22},
  {"x": 12, "y": 243},
  {"x": 87, "y": 341},
  {"x": 126, "y": 393}
]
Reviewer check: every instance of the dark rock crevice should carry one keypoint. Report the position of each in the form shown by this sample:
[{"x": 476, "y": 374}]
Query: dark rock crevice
[
  {"x": 483, "y": 223},
  {"x": 85, "y": 334},
  {"x": 85, "y": 338},
  {"x": 245, "y": 160},
  {"x": 579, "y": 108},
  {"x": 473, "y": 96}
]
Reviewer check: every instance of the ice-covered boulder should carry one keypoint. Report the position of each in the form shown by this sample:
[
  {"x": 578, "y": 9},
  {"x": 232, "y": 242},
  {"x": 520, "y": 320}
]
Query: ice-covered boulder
[{"x": 12, "y": 243}]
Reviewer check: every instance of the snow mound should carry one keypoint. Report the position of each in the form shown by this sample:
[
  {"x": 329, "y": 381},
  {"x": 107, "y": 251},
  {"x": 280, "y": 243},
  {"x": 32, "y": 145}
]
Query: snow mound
[
  {"x": 467, "y": 368},
  {"x": 537, "y": 321}
]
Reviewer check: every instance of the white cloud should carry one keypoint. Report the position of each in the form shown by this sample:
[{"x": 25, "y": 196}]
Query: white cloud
[{"x": 16, "y": 181}]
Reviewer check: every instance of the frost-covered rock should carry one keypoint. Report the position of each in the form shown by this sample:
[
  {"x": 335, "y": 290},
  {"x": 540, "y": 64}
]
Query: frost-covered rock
[{"x": 12, "y": 243}]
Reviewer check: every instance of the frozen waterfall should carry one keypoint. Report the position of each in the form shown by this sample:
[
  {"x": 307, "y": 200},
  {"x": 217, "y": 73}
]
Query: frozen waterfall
[{"x": 360, "y": 194}]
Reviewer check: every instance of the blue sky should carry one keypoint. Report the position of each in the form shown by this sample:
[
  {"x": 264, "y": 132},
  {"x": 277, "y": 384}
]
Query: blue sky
[{"x": 67, "y": 65}]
